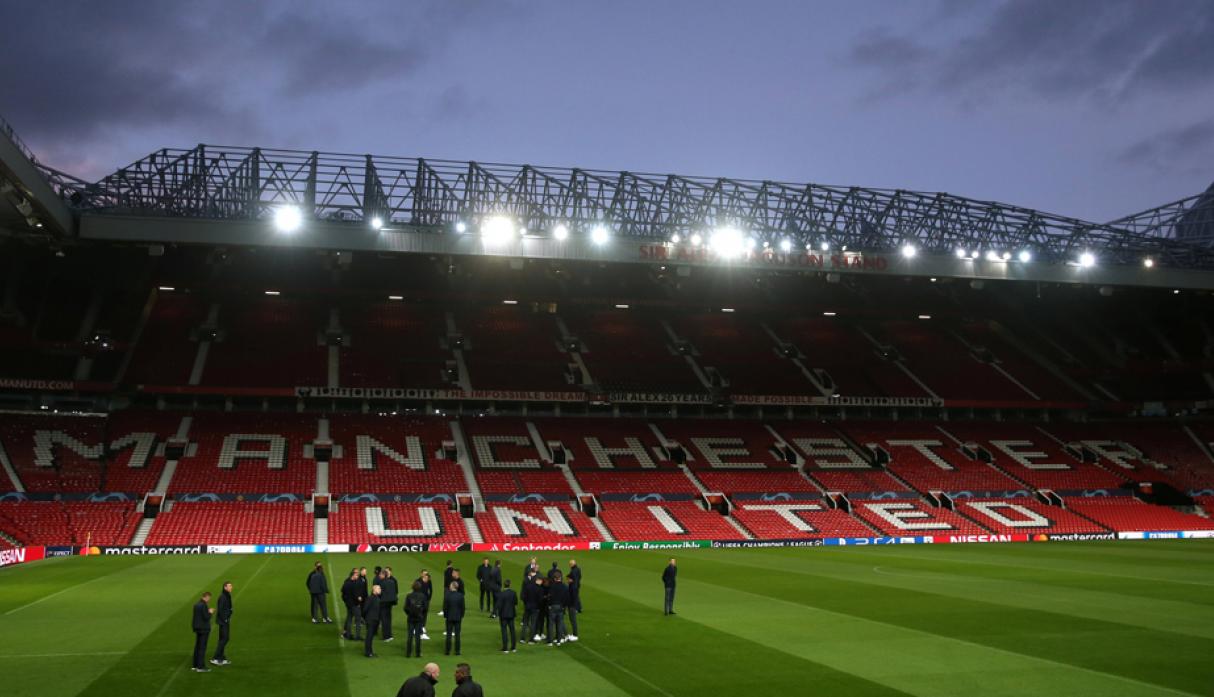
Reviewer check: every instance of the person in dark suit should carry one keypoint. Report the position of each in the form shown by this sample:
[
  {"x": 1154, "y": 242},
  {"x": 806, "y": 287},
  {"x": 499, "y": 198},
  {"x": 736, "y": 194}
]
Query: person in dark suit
[
  {"x": 319, "y": 588},
  {"x": 428, "y": 589},
  {"x": 457, "y": 580},
  {"x": 370, "y": 610},
  {"x": 507, "y": 604},
  {"x": 533, "y": 593},
  {"x": 464, "y": 687},
  {"x": 420, "y": 685},
  {"x": 554, "y": 571},
  {"x": 453, "y": 613},
  {"x": 668, "y": 581},
  {"x": 202, "y": 631},
  {"x": 482, "y": 580},
  {"x": 558, "y": 600},
  {"x": 223, "y": 620},
  {"x": 448, "y": 572},
  {"x": 387, "y": 602},
  {"x": 571, "y": 609},
  {"x": 352, "y": 596},
  {"x": 494, "y": 587},
  {"x": 415, "y": 614},
  {"x": 575, "y": 587}
]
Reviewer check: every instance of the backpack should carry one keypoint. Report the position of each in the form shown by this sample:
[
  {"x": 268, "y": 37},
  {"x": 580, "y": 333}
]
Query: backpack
[{"x": 415, "y": 606}]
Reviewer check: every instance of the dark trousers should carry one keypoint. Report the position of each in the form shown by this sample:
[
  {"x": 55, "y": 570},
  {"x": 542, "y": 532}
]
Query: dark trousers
[
  {"x": 318, "y": 601},
  {"x": 414, "y": 629},
  {"x": 556, "y": 619},
  {"x": 486, "y": 594},
  {"x": 372, "y": 625},
  {"x": 453, "y": 632},
  {"x": 224, "y": 631},
  {"x": 531, "y": 617},
  {"x": 669, "y": 607},
  {"x": 575, "y": 598},
  {"x": 200, "y": 649},
  {"x": 354, "y": 621},
  {"x": 508, "y": 625},
  {"x": 385, "y": 619},
  {"x": 572, "y": 610}
]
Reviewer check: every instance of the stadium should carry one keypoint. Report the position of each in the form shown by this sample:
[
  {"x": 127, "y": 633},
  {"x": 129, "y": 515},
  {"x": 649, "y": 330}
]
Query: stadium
[{"x": 229, "y": 364}]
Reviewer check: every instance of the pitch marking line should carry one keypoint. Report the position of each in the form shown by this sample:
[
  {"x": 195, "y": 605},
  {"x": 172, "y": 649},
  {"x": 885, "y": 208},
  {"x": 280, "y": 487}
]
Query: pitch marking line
[
  {"x": 622, "y": 669},
  {"x": 60, "y": 592}
]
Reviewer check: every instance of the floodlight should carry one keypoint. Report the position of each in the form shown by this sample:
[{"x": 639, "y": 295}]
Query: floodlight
[
  {"x": 992, "y": 255},
  {"x": 377, "y": 223},
  {"x": 825, "y": 246},
  {"x": 287, "y": 218},
  {"x": 461, "y": 226},
  {"x": 1148, "y": 262},
  {"x": 697, "y": 240},
  {"x": 1087, "y": 260},
  {"x": 497, "y": 229},
  {"x": 599, "y": 235},
  {"x": 728, "y": 242},
  {"x": 909, "y": 251},
  {"x": 786, "y": 246},
  {"x": 961, "y": 254},
  {"x": 1006, "y": 256},
  {"x": 675, "y": 239},
  {"x": 1025, "y": 256},
  {"x": 560, "y": 232}
]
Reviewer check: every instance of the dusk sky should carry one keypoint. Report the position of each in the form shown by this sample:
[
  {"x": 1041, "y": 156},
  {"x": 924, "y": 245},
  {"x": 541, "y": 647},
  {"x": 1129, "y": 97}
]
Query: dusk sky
[{"x": 1091, "y": 108}]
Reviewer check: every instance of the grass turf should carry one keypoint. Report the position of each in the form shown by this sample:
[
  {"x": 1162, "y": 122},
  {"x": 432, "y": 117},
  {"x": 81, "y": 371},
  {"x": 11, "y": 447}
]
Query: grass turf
[{"x": 1126, "y": 618}]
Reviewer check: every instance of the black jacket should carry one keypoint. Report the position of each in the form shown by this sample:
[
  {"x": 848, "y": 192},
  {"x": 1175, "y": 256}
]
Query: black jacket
[
  {"x": 389, "y": 588},
  {"x": 317, "y": 582},
  {"x": 507, "y": 601},
  {"x": 352, "y": 592},
  {"x": 553, "y": 571},
  {"x": 202, "y": 617},
  {"x": 468, "y": 688},
  {"x": 448, "y": 575},
  {"x": 459, "y": 585},
  {"x": 421, "y": 597},
  {"x": 532, "y": 596},
  {"x": 482, "y": 573},
  {"x": 495, "y": 579},
  {"x": 223, "y": 614},
  {"x": 453, "y": 606},
  {"x": 575, "y": 574},
  {"x": 558, "y": 595},
  {"x": 417, "y": 686},
  {"x": 427, "y": 588},
  {"x": 371, "y": 608},
  {"x": 668, "y": 575}
]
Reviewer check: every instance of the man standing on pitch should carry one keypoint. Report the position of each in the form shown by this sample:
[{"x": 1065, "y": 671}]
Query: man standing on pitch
[
  {"x": 558, "y": 600},
  {"x": 575, "y": 587},
  {"x": 571, "y": 608},
  {"x": 319, "y": 588},
  {"x": 202, "y": 631},
  {"x": 415, "y": 614},
  {"x": 495, "y": 587},
  {"x": 352, "y": 594},
  {"x": 464, "y": 687},
  {"x": 533, "y": 595},
  {"x": 420, "y": 685},
  {"x": 428, "y": 589},
  {"x": 505, "y": 608},
  {"x": 370, "y": 612},
  {"x": 223, "y": 619},
  {"x": 387, "y": 601},
  {"x": 482, "y": 579},
  {"x": 668, "y": 578},
  {"x": 453, "y": 613}
]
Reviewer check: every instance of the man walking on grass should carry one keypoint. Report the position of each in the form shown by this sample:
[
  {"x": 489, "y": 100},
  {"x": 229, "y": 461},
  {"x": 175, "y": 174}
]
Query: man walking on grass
[
  {"x": 668, "y": 581},
  {"x": 318, "y": 587}
]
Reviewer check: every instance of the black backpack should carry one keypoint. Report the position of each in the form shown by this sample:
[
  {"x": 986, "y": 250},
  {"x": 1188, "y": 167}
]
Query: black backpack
[{"x": 415, "y": 606}]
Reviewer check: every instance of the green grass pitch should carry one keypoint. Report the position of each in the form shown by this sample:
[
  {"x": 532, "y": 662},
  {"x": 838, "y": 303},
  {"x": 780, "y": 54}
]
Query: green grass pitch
[{"x": 1127, "y": 618}]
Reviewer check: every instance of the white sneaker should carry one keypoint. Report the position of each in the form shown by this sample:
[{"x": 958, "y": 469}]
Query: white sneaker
[
  {"x": 536, "y": 637},
  {"x": 426, "y": 637},
  {"x": 571, "y": 637},
  {"x": 440, "y": 613},
  {"x": 216, "y": 662}
]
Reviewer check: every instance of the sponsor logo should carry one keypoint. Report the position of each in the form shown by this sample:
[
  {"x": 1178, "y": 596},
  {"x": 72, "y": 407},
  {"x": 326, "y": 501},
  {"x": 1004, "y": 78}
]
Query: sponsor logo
[
  {"x": 528, "y": 546},
  {"x": 141, "y": 551},
  {"x": 658, "y": 544},
  {"x": 1074, "y": 536},
  {"x": 285, "y": 549},
  {"x": 961, "y": 539},
  {"x": 1162, "y": 535},
  {"x": 759, "y": 544},
  {"x": 413, "y": 548},
  {"x": 21, "y": 555},
  {"x": 231, "y": 549},
  {"x": 59, "y": 552},
  {"x": 1199, "y": 534}
]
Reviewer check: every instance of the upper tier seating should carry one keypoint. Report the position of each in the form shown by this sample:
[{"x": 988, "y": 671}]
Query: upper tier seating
[
  {"x": 232, "y": 523},
  {"x": 69, "y": 522},
  {"x": 1129, "y": 514},
  {"x": 670, "y": 520},
  {"x": 742, "y": 352},
  {"x": 1028, "y": 454},
  {"x": 927, "y": 459},
  {"x": 393, "y": 344},
  {"x": 268, "y": 342},
  {"x": 395, "y": 523},
  {"x": 392, "y": 455},
  {"x": 945, "y": 364},
  {"x": 628, "y": 350},
  {"x": 248, "y": 453},
  {"x": 832, "y": 463},
  {"x": 849, "y": 358},
  {"x": 507, "y": 460},
  {"x": 165, "y": 353},
  {"x": 512, "y": 347}
]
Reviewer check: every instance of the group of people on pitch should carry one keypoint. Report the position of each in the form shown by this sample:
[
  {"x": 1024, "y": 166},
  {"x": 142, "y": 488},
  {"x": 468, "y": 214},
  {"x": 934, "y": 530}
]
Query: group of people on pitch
[{"x": 201, "y": 623}]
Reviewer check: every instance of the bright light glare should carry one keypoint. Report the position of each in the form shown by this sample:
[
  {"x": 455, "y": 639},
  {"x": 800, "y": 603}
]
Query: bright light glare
[
  {"x": 396, "y": 297},
  {"x": 288, "y": 219},
  {"x": 272, "y": 293},
  {"x": 697, "y": 240},
  {"x": 461, "y": 226},
  {"x": 166, "y": 288},
  {"x": 728, "y": 242},
  {"x": 1148, "y": 262},
  {"x": 675, "y": 239},
  {"x": 909, "y": 251},
  {"x": 497, "y": 229},
  {"x": 961, "y": 254},
  {"x": 560, "y": 232},
  {"x": 1025, "y": 256},
  {"x": 599, "y": 235},
  {"x": 786, "y": 246},
  {"x": 825, "y": 246},
  {"x": 1087, "y": 260},
  {"x": 992, "y": 255},
  {"x": 377, "y": 223}
]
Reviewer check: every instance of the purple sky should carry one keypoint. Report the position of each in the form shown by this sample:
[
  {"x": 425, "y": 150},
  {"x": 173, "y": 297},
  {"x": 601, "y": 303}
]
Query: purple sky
[{"x": 1092, "y": 108}]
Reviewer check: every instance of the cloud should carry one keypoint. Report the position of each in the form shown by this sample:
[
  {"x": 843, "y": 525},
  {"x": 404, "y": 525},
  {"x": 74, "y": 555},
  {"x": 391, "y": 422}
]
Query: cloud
[
  {"x": 1098, "y": 48},
  {"x": 1188, "y": 147}
]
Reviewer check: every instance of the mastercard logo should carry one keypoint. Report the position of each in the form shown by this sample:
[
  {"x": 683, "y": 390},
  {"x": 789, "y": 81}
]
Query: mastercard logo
[
  {"x": 1041, "y": 538},
  {"x": 86, "y": 551}
]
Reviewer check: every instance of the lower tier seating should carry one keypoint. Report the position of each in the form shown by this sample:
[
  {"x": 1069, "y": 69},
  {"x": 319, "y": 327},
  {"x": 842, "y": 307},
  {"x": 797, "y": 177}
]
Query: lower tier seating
[
  {"x": 906, "y": 517},
  {"x": 1024, "y": 515},
  {"x": 1127, "y": 514},
  {"x": 534, "y": 522},
  {"x": 395, "y": 523},
  {"x": 69, "y": 523},
  {"x": 670, "y": 520},
  {"x": 232, "y": 523}
]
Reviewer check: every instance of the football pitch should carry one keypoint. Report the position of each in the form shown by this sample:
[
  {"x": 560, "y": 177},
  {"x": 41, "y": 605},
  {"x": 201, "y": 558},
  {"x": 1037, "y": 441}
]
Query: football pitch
[{"x": 1124, "y": 618}]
